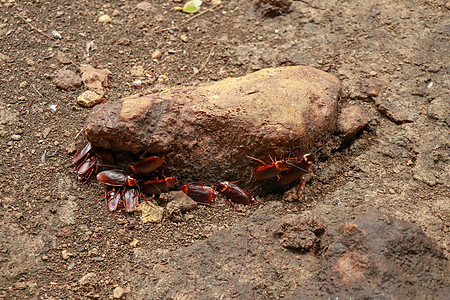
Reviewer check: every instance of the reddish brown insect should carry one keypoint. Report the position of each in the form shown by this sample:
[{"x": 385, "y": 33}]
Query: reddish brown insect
[
  {"x": 146, "y": 165},
  {"x": 81, "y": 153},
  {"x": 235, "y": 194},
  {"x": 269, "y": 171},
  {"x": 200, "y": 193},
  {"x": 158, "y": 186},
  {"x": 297, "y": 171},
  {"x": 87, "y": 168},
  {"x": 113, "y": 197},
  {"x": 116, "y": 178},
  {"x": 131, "y": 198}
]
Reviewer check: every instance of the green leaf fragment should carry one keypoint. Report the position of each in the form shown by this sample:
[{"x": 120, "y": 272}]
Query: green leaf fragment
[{"x": 192, "y": 6}]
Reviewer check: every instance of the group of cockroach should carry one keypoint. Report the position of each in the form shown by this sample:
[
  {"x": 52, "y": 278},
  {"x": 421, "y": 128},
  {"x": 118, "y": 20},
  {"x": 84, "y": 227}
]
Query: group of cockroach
[{"x": 126, "y": 186}]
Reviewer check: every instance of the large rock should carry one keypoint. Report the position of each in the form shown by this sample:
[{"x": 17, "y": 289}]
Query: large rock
[{"x": 206, "y": 132}]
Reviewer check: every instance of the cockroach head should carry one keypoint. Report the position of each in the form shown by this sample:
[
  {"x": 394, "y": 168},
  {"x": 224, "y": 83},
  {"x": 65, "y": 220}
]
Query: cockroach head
[{"x": 309, "y": 158}]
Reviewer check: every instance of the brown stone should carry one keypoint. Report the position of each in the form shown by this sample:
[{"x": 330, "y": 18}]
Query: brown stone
[
  {"x": 67, "y": 80},
  {"x": 207, "y": 132},
  {"x": 351, "y": 120}
]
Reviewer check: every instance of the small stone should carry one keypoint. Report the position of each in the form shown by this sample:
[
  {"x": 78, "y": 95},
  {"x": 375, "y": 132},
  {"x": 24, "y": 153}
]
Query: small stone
[
  {"x": 145, "y": 6},
  {"x": 104, "y": 19},
  {"x": 89, "y": 99},
  {"x": 16, "y": 137},
  {"x": 56, "y": 34},
  {"x": 20, "y": 285},
  {"x": 351, "y": 120},
  {"x": 372, "y": 86},
  {"x": 66, "y": 254},
  {"x": 95, "y": 79},
  {"x": 163, "y": 78},
  {"x": 134, "y": 243},
  {"x": 137, "y": 71},
  {"x": 23, "y": 84},
  {"x": 62, "y": 58},
  {"x": 178, "y": 202},
  {"x": 5, "y": 58},
  {"x": 89, "y": 279},
  {"x": 439, "y": 109},
  {"x": 115, "y": 13},
  {"x": 67, "y": 80},
  {"x": 71, "y": 266},
  {"x": 44, "y": 257},
  {"x": 184, "y": 38},
  {"x": 156, "y": 55},
  {"x": 118, "y": 292},
  {"x": 150, "y": 212},
  {"x": 29, "y": 61}
]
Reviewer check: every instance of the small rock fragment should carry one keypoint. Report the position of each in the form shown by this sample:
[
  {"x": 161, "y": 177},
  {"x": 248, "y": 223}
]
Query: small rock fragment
[
  {"x": 56, "y": 34},
  {"x": 23, "y": 84},
  {"x": 397, "y": 111},
  {"x": 89, "y": 279},
  {"x": 372, "y": 86},
  {"x": 20, "y": 285},
  {"x": 439, "y": 109},
  {"x": 137, "y": 71},
  {"x": 150, "y": 211},
  {"x": 16, "y": 137},
  {"x": 145, "y": 6},
  {"x": 134, "y": 243},
  {"x": 351, "y": 120},
  {"x": 178, "y": 202},
  {"x": 104, "y": 19},
  {"x": 66, "y": 254},
  {"x": 95, "y": 79},
  {"x": 156, "y": 55},
  {"x": 115, "y": 13},
  {"x": 62, "y": 58},
  {"x": 118, "y": 292},
  {"x": 89, "y": 99},
  {"x": 67, "y": 80}
]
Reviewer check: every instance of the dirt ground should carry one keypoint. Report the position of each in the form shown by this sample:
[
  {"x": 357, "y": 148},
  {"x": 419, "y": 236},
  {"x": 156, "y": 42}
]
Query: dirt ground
[{"x": 54, "y": 231}]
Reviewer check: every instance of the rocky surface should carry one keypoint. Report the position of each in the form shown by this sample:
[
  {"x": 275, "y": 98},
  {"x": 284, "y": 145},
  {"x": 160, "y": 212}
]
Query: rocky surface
[
  {"x": 207, "y": 132},
  {"x": 297, "y": 256}
]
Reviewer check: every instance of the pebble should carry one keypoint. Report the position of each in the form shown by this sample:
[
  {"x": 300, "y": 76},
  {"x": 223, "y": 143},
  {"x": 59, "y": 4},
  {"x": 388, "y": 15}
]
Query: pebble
[
  {"x": 118, "y": 292},
  {"x": 137, "y": 71},
  {"x": 89, "y": 98},
  {"x": 88, "y": 279},
  {"x": 98, "y": 258},
  {"x": 23, "y": 84},
  {"x": 104, "y": 19},
  {"x": 16, "y": 137},
  {"x": 67, "y": 80},
  {"x": 115, "y": 13},
  {"x": 66, "y": 254},
  {"x": 145, "y": 6},
  {"x": 71, "y": 266},
  {"x": 157, "y": 54}
]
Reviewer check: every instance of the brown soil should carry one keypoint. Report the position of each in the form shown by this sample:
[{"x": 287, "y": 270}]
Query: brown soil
[{"x": 54, "y": 230}]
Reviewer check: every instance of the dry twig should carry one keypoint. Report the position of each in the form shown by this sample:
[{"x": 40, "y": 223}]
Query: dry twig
[{"x": 34, "y": 28}]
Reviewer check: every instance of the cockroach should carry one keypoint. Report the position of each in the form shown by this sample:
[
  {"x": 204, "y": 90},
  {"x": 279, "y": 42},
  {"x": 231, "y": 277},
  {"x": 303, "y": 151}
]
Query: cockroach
[
  {"x": 81, "y": 153},
  {"x": 146, "y": 165},
  {"x": 297, "y": 171},
  {"x": 200, "y": 193},
  {"x": 269, "y": 171},
  {"x": 87, "y": 168},
  {"x": 116, "y": 178},
  {"x": 235, "y": 194},
  {"x": 131, "y": 198},
  {"x": 113, "y": 198},
  {"x": 158, "y": 186}
]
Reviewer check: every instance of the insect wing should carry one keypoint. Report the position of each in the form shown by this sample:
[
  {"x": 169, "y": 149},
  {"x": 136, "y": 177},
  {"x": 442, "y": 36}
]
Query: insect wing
[
  {"x": 81, "y": 153},
  {"x": 112, "y": 178}
]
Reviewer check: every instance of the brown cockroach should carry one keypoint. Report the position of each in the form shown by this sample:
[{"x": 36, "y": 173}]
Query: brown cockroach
[
  {"x": 267, "y": 171},
  {"x": 297, "y": 171},
  {"x": 131, "y": 198},
  {"x": 87, "y": 168},
  {"x": 234, "y": 194},
  {"x": 156, "y": 186},
  {"x": 200, "y": 193},
  {"x": 116, "y": 178},
  {"x": 81, "y": 153},
  {"x": 146, "y": 165},
  {"x": 113, "y": 197}
]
